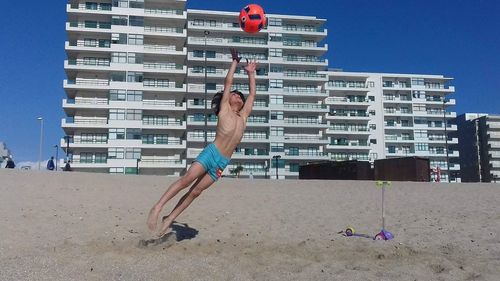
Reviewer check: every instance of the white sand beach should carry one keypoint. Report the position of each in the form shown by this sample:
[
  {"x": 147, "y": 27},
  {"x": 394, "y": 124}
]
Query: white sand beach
[{"x": 78, "y": 226}]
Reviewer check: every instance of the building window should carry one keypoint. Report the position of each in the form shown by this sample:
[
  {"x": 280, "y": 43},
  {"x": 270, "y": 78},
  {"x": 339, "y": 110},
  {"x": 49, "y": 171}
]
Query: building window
[
  {"x": 275, "y": 52},
  {"x": 117, "y": 95},
  {"x": 118, "y": 57},
  {"x": 136, "y": 77},
  {"x": 115, "y": 153},
  {"x": 116, "y": 170},
  {"x": 275, "y": 22},
  {"x": 277, "y": 147},
  {"x": 275, "y": 83},
  {"x": 197, "y": 54},
  {"x": 135, "y": 58},
  {"x": 134, "y": 134},
  {"x": 277, "y": 115},
  {"x": 422, "y": 147},
  {"x": 276, "y": 99},
  {"x": 117, "y": 114},
  {"x": 136, "y": 39},
  {"x": 134, "y": 95},
  {"x": 277, "y": 131},
  {"x": 116, "y": 134},
  {"x": 133, "y": 153}
]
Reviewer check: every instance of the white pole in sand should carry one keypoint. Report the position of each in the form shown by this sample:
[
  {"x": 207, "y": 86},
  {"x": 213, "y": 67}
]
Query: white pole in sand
[{"x": 41, "y": 142}]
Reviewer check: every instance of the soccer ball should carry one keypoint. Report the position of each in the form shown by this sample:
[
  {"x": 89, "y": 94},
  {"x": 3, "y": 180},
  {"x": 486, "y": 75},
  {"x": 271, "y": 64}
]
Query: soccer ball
[{"x": 252, "y": 18}]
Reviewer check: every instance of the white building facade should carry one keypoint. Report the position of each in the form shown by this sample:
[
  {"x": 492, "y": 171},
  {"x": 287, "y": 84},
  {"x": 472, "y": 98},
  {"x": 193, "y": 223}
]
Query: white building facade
[
  {"x": 141, "y": 74},
  {"x": 385, "y": 115}
]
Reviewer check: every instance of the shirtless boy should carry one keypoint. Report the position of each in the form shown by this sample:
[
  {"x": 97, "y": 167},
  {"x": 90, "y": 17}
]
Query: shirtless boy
[{"x": 208, "y": 166}]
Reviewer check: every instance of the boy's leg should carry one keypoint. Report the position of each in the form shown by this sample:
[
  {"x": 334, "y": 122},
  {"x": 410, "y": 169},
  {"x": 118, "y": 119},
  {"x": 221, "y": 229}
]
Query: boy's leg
[
  {"x": 195, "y": 191},
  {"x": 195, "y": 171}
]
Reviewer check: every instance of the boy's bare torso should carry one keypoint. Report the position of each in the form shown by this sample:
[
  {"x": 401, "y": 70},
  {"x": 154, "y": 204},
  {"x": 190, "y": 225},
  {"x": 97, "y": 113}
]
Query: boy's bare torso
[{"x": 230, "y": 129}]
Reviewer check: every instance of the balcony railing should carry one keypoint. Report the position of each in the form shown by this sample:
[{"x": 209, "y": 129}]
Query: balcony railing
[
  {"x": 164, "y": 12},
  {"x": 305, "y": 153},
  {"x": 163, "y": 29},
  {"x": 305, "y": 106},
  {"x": 162, "y": 122},
  {"x": 90, "y": 62},
  {"x": 304, "y": 74},
  {"x": 159, "y": 48},
  {"x": 163, "y": 66},
  {"x": 302, "y": 90},
  {"x": 303, "y": 59},
  {"x": 98, "y": 25},
  {"x": 165, "y": 103},
  {"x": 91, "y": 82},
  {"x": 303, "y": 121},
  {"x": 302, "y": 28}
]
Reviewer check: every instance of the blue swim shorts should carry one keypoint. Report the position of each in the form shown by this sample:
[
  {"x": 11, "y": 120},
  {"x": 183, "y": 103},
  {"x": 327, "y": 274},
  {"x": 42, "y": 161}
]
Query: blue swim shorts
[{"x": 212, "y": 160}]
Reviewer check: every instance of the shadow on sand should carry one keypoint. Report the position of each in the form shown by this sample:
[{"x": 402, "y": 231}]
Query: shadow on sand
[{"x": 180, "y": 231}]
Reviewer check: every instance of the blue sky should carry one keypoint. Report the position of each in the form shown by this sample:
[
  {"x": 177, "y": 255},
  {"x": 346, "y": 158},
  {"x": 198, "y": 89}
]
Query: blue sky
[{"x": 459, "y": 39}]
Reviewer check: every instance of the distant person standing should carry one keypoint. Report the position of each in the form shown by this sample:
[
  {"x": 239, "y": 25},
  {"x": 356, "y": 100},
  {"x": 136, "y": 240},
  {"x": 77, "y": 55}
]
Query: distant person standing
[
  {"x": 67, "y": 167},
  {"x": 50, "y": 164},
  {"x": 10, "y": 163}
]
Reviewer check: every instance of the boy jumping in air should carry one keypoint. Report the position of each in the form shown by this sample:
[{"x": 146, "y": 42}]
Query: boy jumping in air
[{"x": 232, "y": 114}]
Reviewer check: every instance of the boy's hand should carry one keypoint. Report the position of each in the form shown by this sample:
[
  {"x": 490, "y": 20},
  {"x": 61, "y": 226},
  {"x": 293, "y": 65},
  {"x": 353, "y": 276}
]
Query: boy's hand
[
  {"x": 234, "y": 55},
  {"x": 251, "y": 66}
]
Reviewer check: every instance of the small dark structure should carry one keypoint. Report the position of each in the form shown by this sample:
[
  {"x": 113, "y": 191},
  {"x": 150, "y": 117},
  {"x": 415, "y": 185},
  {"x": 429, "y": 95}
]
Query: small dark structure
[
  {"x": 403, "y": 169},
  {"x": 337, "y": 170}
]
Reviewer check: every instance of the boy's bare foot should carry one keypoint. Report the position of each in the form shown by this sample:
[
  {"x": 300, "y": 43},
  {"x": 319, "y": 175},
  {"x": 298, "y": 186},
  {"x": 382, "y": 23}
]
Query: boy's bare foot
[
  {"x": 166, "y": 224},
  {"x": 153, "y": 218}
]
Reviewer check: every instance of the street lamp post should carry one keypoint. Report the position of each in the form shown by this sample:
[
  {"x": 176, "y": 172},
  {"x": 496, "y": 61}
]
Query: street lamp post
[
  {"x": 41, "y": 142},
  {"x": 57, "y": 154},
  {"x": 277, "y": 157},
  {"x": 206, "y": 92},
  {"x": 446, "y": 140}
]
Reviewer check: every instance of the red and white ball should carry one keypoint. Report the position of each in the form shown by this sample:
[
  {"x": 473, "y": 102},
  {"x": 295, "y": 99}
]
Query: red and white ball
[{"x": 252, "y": 18}]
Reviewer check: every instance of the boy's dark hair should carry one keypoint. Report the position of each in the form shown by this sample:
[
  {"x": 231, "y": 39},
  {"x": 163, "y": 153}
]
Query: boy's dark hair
[{"x": 218, "y": 97}]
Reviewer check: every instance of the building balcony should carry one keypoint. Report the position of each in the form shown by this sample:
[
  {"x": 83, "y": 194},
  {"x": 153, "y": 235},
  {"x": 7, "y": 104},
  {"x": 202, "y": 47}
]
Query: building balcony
[
  {"x": 348, "y": 131},
  {"x": 197, "y": 137},
  {"x": 103, "y": 8},
  {"x": 348, "y": 146},
  {"x": 301, "y": 122},
  {"x": 302, "y": 30},
  {"x": 107, "y": 47},
  {"x": 450, "y": 102},
  {"x": 343, "y": 101},
  {"x": 165, "y": 31},
  {"x": 346, "y": 87},
  {"x": 342, "y": 116},
  {"x": 305, "y": 155},
  {"x": 85, "y": 123},
  {"x": 226, "y": 58},
  {"x": 300, "y": 107},
  {"x": 149, "y": 85},
  {"x": 161, "y": 162},
  {"x": 302, "y": 91},
  {"x": 228, "y": 42},
  {"x": 304, "y": 139},
  {"x": 494, "y": 135},
  {"x": 216, "y": 26},
  {"x": 164, "y": 124},
  {"x": 168, "y": 68},
  {"x": 300, "y": 45},
  {"x": 299, "y": 76}
]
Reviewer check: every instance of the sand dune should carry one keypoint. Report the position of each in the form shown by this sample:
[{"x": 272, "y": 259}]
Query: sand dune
[{"x": 77, "y": 226}]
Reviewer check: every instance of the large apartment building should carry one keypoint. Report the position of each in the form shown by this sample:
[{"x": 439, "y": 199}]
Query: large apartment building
[
  {"x": 479, "y": 146},
  {"x": 385, "y": 115},
  {"x": 141, "y": 75}
]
